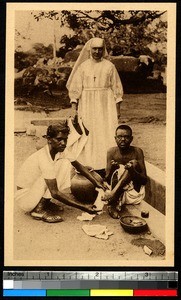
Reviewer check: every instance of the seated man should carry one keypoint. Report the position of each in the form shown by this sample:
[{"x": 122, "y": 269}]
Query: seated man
[
  {"x": 125, "y": 172},
  {"x": 46, "y": 173}
]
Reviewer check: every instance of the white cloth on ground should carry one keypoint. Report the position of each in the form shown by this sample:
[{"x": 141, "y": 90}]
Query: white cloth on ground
[
  {"x": 86, "y": 217},
  {"x": 98, "y": 231}
]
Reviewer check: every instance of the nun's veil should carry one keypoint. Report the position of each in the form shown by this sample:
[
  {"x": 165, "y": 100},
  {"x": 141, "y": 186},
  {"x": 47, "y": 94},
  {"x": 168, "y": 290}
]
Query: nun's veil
[{"x": 86, "y": 54}]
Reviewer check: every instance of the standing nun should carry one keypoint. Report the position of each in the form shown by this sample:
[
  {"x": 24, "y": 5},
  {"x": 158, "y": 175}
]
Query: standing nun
[{"x": 96, "y": 92}]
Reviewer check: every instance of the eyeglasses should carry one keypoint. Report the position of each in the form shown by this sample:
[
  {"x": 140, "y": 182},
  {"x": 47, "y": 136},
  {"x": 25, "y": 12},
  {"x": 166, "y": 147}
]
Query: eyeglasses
[{"x": 119, "y": 137}]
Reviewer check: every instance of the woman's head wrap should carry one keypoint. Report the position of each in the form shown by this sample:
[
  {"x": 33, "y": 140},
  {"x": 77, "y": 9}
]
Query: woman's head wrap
[{"x": 86, "y": 54}]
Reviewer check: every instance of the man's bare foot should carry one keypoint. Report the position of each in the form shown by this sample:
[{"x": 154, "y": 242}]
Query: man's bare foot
[{"x": 113, "y": 212}]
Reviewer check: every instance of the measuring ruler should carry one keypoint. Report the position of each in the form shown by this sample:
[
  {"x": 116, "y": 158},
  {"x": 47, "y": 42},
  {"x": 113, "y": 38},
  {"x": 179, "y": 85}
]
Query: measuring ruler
[{"x": 90, "y": 283}]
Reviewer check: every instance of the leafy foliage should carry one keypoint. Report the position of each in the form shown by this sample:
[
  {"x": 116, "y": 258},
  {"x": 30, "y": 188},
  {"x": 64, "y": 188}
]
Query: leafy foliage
[
  {"x": 125, "y": 32},
  {"x": 30, "y": 58},
  {"x": 69, "y": 44},
  {"x": 42, "y": 78}
]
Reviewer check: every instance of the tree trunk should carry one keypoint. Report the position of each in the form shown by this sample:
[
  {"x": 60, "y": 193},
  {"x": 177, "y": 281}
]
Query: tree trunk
[{"x": 54, "y": 39}]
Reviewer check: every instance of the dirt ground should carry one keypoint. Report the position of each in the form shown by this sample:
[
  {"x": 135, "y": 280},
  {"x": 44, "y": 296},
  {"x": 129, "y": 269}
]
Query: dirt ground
[{"x": 146, "y": 114}]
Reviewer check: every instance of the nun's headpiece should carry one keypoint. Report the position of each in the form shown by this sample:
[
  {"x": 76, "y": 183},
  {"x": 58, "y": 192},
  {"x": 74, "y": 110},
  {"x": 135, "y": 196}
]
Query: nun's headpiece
[{"x": 86, "y": 54}]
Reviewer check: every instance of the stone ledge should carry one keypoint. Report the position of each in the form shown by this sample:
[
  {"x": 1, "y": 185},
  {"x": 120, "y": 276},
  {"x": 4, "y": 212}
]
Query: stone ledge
[
  {"x": 155, "y": 188},
  {"x": 155, "y": 173},
  {"x": 47, "y": 121}
]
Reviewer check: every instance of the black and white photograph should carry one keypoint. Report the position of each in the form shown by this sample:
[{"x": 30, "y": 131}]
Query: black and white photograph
[{"x": 90, "y": 134}]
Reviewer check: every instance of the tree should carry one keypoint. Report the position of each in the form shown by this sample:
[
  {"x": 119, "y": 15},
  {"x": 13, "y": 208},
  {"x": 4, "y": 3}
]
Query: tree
[
  {"x": 125, "y": 32},
  {"x": 52, "y": 15}
]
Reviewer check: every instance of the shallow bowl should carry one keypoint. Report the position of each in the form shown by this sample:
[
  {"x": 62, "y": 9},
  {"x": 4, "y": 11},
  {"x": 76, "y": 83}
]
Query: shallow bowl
[{"x": 133, "y": 224}]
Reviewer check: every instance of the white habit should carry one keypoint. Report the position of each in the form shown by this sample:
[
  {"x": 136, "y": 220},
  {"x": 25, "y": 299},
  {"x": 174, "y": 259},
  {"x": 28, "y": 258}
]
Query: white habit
[{"x": 97, "y": 86}]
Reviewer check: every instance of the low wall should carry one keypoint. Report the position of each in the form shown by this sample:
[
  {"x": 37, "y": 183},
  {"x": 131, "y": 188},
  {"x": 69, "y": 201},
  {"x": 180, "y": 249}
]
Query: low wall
[{"x": 155, "y": 188}]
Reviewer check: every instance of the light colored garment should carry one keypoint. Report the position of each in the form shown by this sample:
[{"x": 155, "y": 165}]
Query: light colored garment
[
  {"x": 97, "y": 231},
  {"x": 98, "y": 87},
  {"x": 40, "y": 166},
  {"x": 36, "y": 168},
  {"x": 99, "y": 203},
  {"x": 86, "y": 217},
  {"x": 130, "y": 196}
]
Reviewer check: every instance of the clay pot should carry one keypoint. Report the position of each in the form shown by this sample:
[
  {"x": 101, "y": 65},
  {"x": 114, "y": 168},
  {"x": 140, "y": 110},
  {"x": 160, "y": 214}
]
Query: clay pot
[{"x": 82, "y": 189}]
